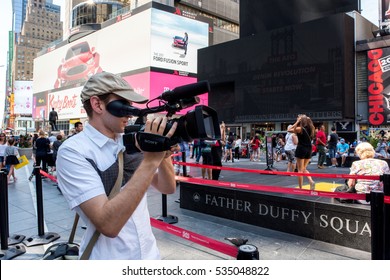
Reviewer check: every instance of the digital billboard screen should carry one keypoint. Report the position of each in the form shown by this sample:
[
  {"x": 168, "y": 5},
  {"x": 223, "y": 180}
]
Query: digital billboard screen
[
  {"x": 123, "y": 48},
  {"x": 273, "y": 76},
  {"x": 23, "y": 97},
  {"x": 260, "y": 15},
  {"x": 378, "y": 81}
]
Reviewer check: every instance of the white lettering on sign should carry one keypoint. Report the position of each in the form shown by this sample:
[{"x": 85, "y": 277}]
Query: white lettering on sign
[
  {"x": 343, "y": 225},
  {"x": 283, "y": 213},
  {"x": 228, "y": 203}
]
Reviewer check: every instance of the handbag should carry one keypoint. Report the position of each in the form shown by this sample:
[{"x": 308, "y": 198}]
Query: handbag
[
  {"x": 70, "y": 250},
  {"x": 345, "y": 189},
  {"x": 23, "y": 161}
]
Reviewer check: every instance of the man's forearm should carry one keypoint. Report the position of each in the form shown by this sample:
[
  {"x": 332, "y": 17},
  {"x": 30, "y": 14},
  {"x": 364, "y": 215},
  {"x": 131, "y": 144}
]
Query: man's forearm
[
  {"x": 164, "y": 180},
  {"x": 109, "y": 216}
]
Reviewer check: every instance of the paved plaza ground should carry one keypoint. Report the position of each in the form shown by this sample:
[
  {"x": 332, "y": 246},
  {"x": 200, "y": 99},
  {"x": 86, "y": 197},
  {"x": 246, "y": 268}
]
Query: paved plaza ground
[{"x": 272, "y": 245}]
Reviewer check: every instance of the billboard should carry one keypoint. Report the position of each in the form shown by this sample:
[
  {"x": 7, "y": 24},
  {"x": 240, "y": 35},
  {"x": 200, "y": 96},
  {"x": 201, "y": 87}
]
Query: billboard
[
  {"x": 153, "y": 84},
  {"x": 378, "y": 77},
  {"x": 134, "y": 47},
  {"x": 276, "y": 75},
  {"x": 68, "y": 104},
  {"x": 261, "y": 15},
  {"x": 40, "y": 109},
  {"x": 121, "y": 47},
  {"x": 385, "y": 12},
  {"x": 175, "y": 41},
  {"x": 23, "y": 97}
]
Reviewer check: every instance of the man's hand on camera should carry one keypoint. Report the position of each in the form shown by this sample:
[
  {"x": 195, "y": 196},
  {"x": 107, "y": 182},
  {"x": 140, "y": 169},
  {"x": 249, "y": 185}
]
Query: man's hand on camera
[{"x": 157, "y": 126}]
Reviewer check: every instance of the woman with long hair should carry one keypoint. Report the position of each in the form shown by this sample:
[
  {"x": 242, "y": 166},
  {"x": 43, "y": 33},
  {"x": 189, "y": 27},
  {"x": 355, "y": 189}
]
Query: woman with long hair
[{"x": 304, "y": 129}]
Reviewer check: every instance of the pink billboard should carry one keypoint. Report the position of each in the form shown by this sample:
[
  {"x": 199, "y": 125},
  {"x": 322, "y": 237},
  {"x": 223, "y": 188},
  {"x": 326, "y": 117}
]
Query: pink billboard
[{"x": 153, "y": 84}]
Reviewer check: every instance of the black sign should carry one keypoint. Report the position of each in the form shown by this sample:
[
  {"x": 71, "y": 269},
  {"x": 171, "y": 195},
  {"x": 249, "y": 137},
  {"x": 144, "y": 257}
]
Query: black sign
[
  {"x": 276, "y": 75},
  {"x": 334, "y": 223},
  {"x": 260, "y": 15}
]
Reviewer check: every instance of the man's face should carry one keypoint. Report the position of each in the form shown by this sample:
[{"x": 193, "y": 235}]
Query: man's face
[
  {"x": 79, "y": 128},
  {"x": 118, "y": 123}
]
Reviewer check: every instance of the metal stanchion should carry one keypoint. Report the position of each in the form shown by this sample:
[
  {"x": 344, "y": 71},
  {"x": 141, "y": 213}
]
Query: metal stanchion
[
  {"x": 248, "y": 252},
  {"x": 386, "y": 217},
  {"x": 7, "y": 252},
  {"x": 170, "y": 219},
  {"x": 184, "y": 159},
  {"x": 42, "y": 237},
  {"x": 377, "y": 236},
  {"x": 269, "y": 154}
]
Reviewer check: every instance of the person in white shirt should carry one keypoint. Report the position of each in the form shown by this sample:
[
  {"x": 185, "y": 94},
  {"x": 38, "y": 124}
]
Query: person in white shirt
[
  {"x": 289, "y": 148},
  {"x": 3, "y": 146},
  {"x": 87, "y": 168},
  {"x": 237, "y": 146}
]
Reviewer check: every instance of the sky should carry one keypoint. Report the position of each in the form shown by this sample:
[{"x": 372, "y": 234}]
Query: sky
[{"x": 369, "y": 10}]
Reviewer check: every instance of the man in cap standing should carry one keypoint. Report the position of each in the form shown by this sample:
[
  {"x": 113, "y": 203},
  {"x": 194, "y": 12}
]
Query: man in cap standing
[{"x": 87, "y": 167}]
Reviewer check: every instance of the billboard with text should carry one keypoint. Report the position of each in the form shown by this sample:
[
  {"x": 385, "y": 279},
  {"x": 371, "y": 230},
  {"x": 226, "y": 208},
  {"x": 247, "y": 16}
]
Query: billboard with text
[
  {"x": 378, "y": 81},
  {"x": 126, "y": 49},
  {"x": 23, "y": 97}
]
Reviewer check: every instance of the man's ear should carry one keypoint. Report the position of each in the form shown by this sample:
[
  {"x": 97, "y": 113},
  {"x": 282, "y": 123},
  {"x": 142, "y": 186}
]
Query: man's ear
[{"x": 96, "y": 104}]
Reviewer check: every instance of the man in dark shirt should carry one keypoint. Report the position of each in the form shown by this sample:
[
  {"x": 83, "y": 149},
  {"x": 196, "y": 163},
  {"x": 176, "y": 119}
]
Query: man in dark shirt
[
  {"x": 53, "y": 117},
  {"x": 332, "y": 146}
]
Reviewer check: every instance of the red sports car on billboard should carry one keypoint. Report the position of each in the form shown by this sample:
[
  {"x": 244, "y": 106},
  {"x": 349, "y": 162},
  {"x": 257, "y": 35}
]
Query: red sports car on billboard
[
  {"x": 178, "y": 42},
  {"x": 80, "y": 63}
]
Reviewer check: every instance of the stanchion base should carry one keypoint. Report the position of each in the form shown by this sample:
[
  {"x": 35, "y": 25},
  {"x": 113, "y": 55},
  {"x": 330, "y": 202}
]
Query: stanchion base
[
  {"x": 41, "y": 239},
  {"x": 12, "y": 252},
  {"x": 15, "y": 239},
  {"x": 270, "y": 168},
  {"x": 168, "y": 219}
]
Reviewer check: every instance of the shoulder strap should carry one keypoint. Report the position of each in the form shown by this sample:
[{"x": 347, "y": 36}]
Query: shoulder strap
[
  {"x": 74, "y": 227},
  {"x": 114, "y": 191},
  {"x": 307, "y": 133}
]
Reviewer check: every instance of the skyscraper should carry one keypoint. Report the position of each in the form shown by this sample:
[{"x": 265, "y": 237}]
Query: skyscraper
[
  {"x": 36, "y": 24},
  {"x": 41, "y": 26}
]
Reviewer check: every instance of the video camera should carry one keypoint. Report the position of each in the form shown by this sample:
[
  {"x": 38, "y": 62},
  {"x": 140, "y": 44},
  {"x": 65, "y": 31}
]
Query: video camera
[{"x": 201, "y": 122}]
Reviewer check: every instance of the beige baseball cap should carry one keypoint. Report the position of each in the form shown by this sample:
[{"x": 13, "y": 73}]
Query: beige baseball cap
[{"x": 105, "y": 82}]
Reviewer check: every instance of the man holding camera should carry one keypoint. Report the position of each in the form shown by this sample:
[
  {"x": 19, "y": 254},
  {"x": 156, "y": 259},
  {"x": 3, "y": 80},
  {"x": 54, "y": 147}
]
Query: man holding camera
[{"x": 87, "y": 168}]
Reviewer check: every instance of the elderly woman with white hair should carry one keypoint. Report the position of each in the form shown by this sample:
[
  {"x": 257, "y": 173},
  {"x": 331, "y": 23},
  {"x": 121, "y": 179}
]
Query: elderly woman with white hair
[{"x": 367, "y": 165}]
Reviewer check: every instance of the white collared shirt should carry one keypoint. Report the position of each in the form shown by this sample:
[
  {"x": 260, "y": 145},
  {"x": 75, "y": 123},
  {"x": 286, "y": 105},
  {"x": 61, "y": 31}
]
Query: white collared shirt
[{"x": 79, "y": 182}]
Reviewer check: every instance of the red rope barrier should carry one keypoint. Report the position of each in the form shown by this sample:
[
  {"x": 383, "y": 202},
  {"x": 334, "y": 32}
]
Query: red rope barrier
[
  {"x": 237, "y": 169},
  {"x": 264, "y": 188},
  {"x": 176, "y": 154},
  {"x": 196, "y": 238},
  {"x": 47, "y": 175},
  {"x": 273, "y": 189}
]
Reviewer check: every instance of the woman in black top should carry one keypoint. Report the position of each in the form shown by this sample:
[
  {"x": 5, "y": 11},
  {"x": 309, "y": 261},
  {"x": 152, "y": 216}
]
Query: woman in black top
[{"x": 304, "y": 129}]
